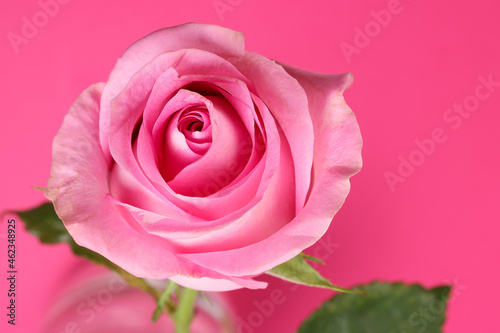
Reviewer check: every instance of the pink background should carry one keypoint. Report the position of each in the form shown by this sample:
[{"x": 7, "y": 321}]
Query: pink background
[{"x": 441, "y": 225}]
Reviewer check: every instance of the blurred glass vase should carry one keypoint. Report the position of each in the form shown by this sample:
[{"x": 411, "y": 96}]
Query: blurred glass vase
[{"x": 101, "y": 302}]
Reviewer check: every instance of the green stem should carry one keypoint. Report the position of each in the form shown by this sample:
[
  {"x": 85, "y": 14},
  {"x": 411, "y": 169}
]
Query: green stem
[
  {"x": 184, "y": 313},
  {"x": 137, "y": 282},
  {"x": 165, "y": 302}
]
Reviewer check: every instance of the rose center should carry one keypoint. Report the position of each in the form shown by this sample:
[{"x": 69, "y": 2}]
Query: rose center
[
  {"x": 195, "y": 126},
  {"x": 193, "y": 121}
]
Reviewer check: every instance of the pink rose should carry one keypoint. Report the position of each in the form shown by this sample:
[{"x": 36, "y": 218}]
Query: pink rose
[{"x": 204, "y": 163}]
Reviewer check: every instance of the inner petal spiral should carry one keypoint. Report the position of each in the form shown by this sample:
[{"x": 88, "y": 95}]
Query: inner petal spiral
[
  {"x": 211, "y": 139},
  {"x": 196, "y": 127}
]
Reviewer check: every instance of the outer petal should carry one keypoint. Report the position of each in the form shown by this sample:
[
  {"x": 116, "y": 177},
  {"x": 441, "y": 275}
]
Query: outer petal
[
  {"x": 288, "y": 103},
  {"x": 215, "y": 39},
  {"x": 337, "y": 156},
  {"x": 78, "y": 186},
  {"x": 216, "y": 285}
]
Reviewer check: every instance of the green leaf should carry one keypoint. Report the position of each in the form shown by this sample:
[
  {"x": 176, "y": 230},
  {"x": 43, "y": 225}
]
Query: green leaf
[
  {"x": 299, "y": 271},
  {"x": 311, "y": 258},
  {"x": 388, "y": 308},
  {"x": 44, "y": 223}
]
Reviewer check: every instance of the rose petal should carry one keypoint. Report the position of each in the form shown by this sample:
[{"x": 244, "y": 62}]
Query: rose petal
[
  {"x": 215, "y": 284},
  {"x": 224, "y": 160},
  {"x": 128, "y": 107},
  {"x": 130, "y": 103},
  {"x": 249, "y": 180},
  {"x": 337, "y": 153},
  {"x": 288, "y": 102},
  {"x": 167, "y": 141},
  {"x": 93, "y": 220},
  {"x": 272, "y": 212},
  {"x": 127, "y": 190},
  {"x": 185, "y": 229},
  {"x": 215, "y": 39}
]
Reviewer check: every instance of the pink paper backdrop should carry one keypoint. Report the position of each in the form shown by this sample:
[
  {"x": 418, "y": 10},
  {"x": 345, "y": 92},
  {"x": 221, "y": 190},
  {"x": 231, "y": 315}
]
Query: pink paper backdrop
[{"x": 423, "y": 209}]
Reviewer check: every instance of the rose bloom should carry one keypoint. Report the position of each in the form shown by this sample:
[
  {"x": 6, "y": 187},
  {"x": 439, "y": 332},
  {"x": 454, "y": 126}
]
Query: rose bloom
[{"x": 204, "y": 163}]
